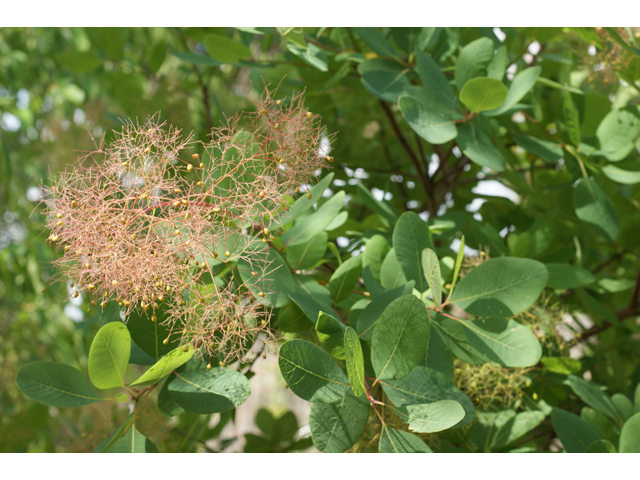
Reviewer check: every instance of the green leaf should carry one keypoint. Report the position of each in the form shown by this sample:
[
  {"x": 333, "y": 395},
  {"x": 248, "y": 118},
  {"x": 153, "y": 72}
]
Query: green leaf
[
  {"x": 473, "y": 61},
  {"x": 507, "y": 285},
  {"x": 311, "y": 306},
  {"x": 503, "y": 341},
  {"x": 391, "y": 274},
  {"x": 303, "y": 203},
  {"x": 482, "y": 93},
  {"x": 424, "y": 385},
  {"x": 109, "y": 356},
  {"x": 630, "y": 435},
  {"x": 311, "y": 373},
  {"x": 375, "y": 252},
  {"x": 279, "y": 429},
  {"x": 575, "y": 434},
  {"x": 79, "y": 62},
  {"x": 561, "y": 365},
  {"x": 572, "y": 120},
  {"x": 476, "y": 145},
  {"x": 510, "y": 285},
  {"x": 432, "y": 417},
  {"x": 431, "y": 268},
  {"x": 630, "y": 175},
  {"x": 438, "y": 356},
  {"x": 56, "y": 384},
  {"x": 400, "y": 338},
  {"x": 434, "y": 80},
  {"x": 516, "y": 427},
  {"x": 411, "y": 236},
  {"x": 115, "y": 436},
  {"x": 456, "y": 269},
  {"x": 336, "y": 427},
  {"x": 330, "y": 332},
  {"x": 618, "y": 132},
  {"x": 591, "y": 394},
  {"x": 548, "y": 151},
  {"x": 354, "y": 360},
  {"x": 108, "y": 39},
  {"x": 498, "y": 66},
  {"x": 603, "y": 446},
  {"x": 304, "y": 256},
  {"x": 595, "y": 209},
  {"x": 150, "y": 335},
  {"x": 428, "y": 119},
  {"x": 133, "y": 442},
  {"x": 344, "y": 279},
  {"x": 312, "y": 54},
  {"x": 203, "y": 391},
  {"x": 165, "y": 365},
  {"x": 522, "y": 83},
  {"x": 166, "y": 404},
  {"x": 623, "y": 405},
  {"x": 397, "y": 441},
  {"x": 552, "y": 84},
  {"x": 566, "y": 276},
  {"x": 293, "y": 34},
  {"x": 371, "y": 314},
  {"x": 307, "y": 227},
  {"x": 375, "y": 40},
  {"x": 225, "y": 49},
  {"x": 274, "y": 278},
  {"x": 384, "y": 79}
]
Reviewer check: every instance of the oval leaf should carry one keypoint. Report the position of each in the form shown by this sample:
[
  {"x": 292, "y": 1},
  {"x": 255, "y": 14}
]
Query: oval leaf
[
  {"x": 502, "y": 286},
  {"x": 432, "y": 417},
  {"x": 400, "y": 338},
  {"x": 336, "y": 427},
  {"x": 595, "y": 209},
  {"x": 56, "y": 384},
  {"x": 428, "y": 119},
  {"x": 311, "y": 373},
  {"x": 203, "y": 391},
  {"x": 483, "y": 93},
  {"x": 476, "y": 145},
  {"x": 630, "y": 435},
  {"x": 397, "y": 441},
  {"x": 411, "y": 236},
  {"x": 165, "y": 366},
  {"x": 575, "y": 434},
  {"x": 109, "y": 356},
  {"x": 431, "y": 268}
]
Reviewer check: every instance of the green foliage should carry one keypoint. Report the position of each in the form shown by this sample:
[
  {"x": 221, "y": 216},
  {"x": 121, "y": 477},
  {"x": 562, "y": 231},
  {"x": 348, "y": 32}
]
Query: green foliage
[{"x": 379, "y": 273}]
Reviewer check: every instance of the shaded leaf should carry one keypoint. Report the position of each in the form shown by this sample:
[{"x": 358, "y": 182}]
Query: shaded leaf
[
  {"x": 336, "y": 427},
  {"x": 411, "y": 236},
  {"x": 214, "y": 391},
  {"x": 397, "y": 441},
  {"x": 165, "y": 365}
]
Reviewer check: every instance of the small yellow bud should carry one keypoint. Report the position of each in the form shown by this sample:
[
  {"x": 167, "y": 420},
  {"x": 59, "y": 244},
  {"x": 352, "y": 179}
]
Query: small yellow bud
[
  {"x": 188, "y": 242},
  {"x": 216, "y": 209},
  {"x": 182, "y": 303},
  {"x": 264, "y": 355},
  {"x": 74, "y": 204},
  {"x": 133, "y": 237},
  {"x": 120, "y": 303},
  {"x": 308, "y": 194},
  {"x": 125, "y": 164},
  {"x": 176, "y": 190},
  {"x": 102, "y": 304},
  {"x": 222, "y": 364},
  {"x": 75, "y": 294},
  {"x": 67, "y": 247},
  {"x": 58, "y": 215},
  {"x": 255, "y": 274},
  {"x": 195, "y": 156},
  {"x": 264, "y": 240},
  {"x": 201, "y": 165},
  {"x": 147, "y": 150},
  {"x": 261, "y": 194},
  {"x": 184, "y": 201},
  {"x": 227, "y": 253},
  {"x": 146, "y": 308},
  {"x": 123, "y": 221},
  {"x": 154, "y": 318},
  {"x": 297, "y": 189},
  {"x": 535, "y": 396},
  {"x": 155, "y": 306},
  {"x": 261, "y": 294},
  {"x": 177, "y": 232},
  {"x": 264, "y": 112},
  {"x": 272, "y": 237},
  {"x": 53, "y": 238},
  {"x": 91, "y": 287},
  {"x": 276, "y": 126},
  {"x": 127, "y": 303},
  {"x": 161, "y": 298},
  {"x": 215, "y": 254},
  {"x": 114, "y": 283},
  {"x": 280, "y": 160},
  {"x": 176, "y": 203},
  {"x": 93, "y": 302},
  {"x": 208, "y": 366},
  {"x": 309, "y": 114},
  {"x": 329, "y": 159},
  {"x": 165, "y": 341},
  {"x": 189, "y": 167},
  {"x": 168, "y": 289},
  {"x": 137, "y": 290},
  {"x": 266, "y": 231},
  {"x": 200, "y": 184}
]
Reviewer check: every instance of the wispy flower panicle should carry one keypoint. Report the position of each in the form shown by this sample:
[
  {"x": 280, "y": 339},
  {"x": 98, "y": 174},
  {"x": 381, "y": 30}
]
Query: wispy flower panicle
[{"x": 155, "y": 220}]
